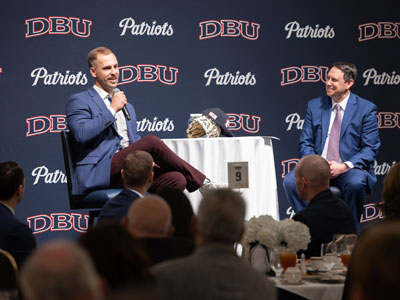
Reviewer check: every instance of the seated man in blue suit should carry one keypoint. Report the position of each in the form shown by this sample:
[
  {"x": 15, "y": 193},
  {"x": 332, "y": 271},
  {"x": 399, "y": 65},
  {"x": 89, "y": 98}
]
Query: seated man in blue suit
[
  {"x": 343, "y": 128},
  {"x": 137, "y": 175},
  {"x": 15, "y": 236},
  {"x": 325, "y": 214},
  {"x": 103, "y": 135}
]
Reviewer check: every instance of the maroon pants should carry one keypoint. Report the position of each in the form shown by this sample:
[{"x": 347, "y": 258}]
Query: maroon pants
[{"x": 173, "y": 171}]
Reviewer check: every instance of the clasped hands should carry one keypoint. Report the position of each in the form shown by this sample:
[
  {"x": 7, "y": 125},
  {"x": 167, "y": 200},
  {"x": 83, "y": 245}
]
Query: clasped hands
[{"x": 337, "y": 168}]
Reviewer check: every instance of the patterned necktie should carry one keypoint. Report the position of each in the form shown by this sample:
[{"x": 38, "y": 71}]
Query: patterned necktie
[{"x": 334, "y": 138}]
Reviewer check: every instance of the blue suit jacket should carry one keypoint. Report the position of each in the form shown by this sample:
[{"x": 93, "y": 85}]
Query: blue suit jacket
[
  {"x": 95, "y": 139},
  {"x": 359, "y": 135},
  {"x": 15, "y": 236},
  {"x": 117, "y": 208}
]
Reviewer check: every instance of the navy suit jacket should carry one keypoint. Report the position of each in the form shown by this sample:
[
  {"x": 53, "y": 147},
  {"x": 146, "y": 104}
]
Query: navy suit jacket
[
  {"x": 95, "y": 139},
  {"x": 15, "y": 236},
  {"x": 359, "y": 135},
  {"x": 117, "y": 208},
  {"x": 325, "y": 215}
]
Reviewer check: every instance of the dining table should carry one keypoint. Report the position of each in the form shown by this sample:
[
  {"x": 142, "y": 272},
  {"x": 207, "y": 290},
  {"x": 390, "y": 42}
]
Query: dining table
[{"x": 313, "y": 288}]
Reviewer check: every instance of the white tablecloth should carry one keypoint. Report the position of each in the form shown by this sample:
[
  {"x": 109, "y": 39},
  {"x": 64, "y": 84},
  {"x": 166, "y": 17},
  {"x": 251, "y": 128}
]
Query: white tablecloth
[
  {"x": 314, "y": 290},
  {"x": 211, "y": 155}
]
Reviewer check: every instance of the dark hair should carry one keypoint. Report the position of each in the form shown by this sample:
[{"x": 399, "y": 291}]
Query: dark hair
[
  {"x": 349, "y": 69},
  {"x": 137, "y": 167},
  {"x": 118, "y": 257},
  {"x": 8, "y": 272},
  {"x": 181, "y": 209},
  {"x": 11, "y": 177},
  {"x": 92, "y": 56}
]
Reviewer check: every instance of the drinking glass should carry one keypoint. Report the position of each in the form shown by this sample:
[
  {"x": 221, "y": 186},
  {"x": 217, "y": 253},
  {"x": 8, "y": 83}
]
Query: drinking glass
[
  {"x": 345, "y": 256},
  {"x": 347, "y": 249},
  {"x": 288, "y": 258},
  {"x": 329, "y": 255},
  {"x": 275, "y": 261}
]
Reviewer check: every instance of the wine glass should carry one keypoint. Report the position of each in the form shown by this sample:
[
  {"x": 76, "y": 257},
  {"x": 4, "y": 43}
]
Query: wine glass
[
  {"x": 288, "y": 258},
  {"x": 329, "y": 255},
  {"x": 275, "y": 261}
]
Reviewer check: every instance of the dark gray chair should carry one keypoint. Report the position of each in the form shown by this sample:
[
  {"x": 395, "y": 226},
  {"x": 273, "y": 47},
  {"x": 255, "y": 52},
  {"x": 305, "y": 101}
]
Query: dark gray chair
[{"x": 92, "y": 201}]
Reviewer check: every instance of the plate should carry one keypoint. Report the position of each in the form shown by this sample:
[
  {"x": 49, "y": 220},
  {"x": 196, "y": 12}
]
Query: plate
[{"x": 284, "y": 282}]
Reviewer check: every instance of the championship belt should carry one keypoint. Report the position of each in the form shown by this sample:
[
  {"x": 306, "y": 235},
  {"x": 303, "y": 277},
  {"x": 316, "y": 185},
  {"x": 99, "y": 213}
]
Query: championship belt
[{"x": 203, "y": 127}]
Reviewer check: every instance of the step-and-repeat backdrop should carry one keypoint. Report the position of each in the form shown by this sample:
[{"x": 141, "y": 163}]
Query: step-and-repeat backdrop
[{"x": 260, "y": 61}]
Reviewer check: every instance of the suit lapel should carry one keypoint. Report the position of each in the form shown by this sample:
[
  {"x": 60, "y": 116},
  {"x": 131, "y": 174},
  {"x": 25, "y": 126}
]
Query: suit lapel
[
  {"x": 96, "y": 99},
  {"x": 325, "y": 118},
  {"x": 100, "y": 103},
  {"x": 351, "y": 107}
]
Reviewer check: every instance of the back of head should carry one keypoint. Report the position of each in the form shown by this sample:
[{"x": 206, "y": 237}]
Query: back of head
[
  {"x": 11, "y": 177},
  {"x": 391, "y": 193},
  {"x": 375, "y": 262},
  {"x": 149, "y": 217},
  {"x": 221, "y": 216},
  {"x": 182, "y": 211},
  {"x": 118, "y": 257},
  {"x": 59, "y": 270},
  {"x": 137, "y": 168},
  {"x": 316, "y": 169}
]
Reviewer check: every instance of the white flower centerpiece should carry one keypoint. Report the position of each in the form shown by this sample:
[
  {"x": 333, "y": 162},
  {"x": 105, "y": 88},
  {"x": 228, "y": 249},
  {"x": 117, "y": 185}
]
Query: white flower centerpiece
[{"x": 266, "y": 232}]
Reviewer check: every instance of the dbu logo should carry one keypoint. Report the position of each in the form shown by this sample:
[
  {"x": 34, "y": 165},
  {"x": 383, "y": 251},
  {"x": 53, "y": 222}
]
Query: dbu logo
[
  {"x": 42, "y": 124},
  {"x": 381, "y": 30},
  {"x": 250, "y": 124},
  {"x": 370, "y": 213},
  {"x": 387, "y": 120},
  {"x": 292, "y": 75},
  {"x": 148, "y": 73},
  {"x": 228, "y": 28},
  {"x": 58, "y": 25},
  {"x": 58, "y": 222},
  {"x": 288, "y": 165}
]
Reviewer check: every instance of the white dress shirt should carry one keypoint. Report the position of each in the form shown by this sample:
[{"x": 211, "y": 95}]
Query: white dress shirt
[{"x": 120, "y": 122}]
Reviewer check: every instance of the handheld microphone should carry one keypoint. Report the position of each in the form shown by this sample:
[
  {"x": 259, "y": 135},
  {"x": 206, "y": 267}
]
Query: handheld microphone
[{"x": 124, "y": 109}]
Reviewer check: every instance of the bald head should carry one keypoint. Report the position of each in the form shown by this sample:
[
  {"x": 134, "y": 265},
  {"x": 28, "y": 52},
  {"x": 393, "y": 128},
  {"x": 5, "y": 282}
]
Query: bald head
[
  {"x": 60, "y": 270},
  {"x": 149, "y": 216},
  {"x": 316, "y": 169},
  {"x": 312, "y": 175}
]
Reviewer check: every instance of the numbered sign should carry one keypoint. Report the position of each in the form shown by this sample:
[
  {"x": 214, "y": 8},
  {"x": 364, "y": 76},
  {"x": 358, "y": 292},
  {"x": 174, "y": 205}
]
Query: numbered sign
[{"x": 238, "y": 175}]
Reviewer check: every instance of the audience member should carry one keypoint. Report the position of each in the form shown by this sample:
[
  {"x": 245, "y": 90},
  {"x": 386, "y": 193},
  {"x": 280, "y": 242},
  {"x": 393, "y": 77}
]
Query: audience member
[
  {"x": 60, "y": 270},
  {"x": 120, "y": 259},
  {"x": 391, "y": 193},
  {"x": 183, "y": 218},
  {"x": 15, "y": 236},
  {"x": 325, "y": 214},
  {"x": 375, "y": 263},
  {"x": 8, "y": 277},
  {"x": 391, "y": 210},
  {"x": 214, "y": 271},
  {"x": 149, "y": 219},
  {"x": 137, "y": 175}
]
